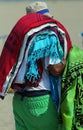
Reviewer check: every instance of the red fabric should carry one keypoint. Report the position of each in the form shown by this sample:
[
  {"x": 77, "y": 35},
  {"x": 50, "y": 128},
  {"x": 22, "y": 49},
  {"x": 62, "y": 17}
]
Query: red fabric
[
  {"x": 13, "y": 43},
  {"x": 69, "y": 43}
]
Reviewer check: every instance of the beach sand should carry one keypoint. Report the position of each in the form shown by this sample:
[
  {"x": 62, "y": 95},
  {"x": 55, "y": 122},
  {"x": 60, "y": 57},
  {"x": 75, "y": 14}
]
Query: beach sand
[
  {"x": 6, "y": 113},
  {"x": 69, "y": 13}
]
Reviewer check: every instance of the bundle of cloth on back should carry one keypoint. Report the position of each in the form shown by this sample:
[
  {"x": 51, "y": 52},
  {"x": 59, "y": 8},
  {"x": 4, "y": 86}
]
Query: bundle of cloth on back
[
  {"x": 20, "y": 39},
  {"x": 35, "y": 42},
  {"x": 72, "y": 91}
]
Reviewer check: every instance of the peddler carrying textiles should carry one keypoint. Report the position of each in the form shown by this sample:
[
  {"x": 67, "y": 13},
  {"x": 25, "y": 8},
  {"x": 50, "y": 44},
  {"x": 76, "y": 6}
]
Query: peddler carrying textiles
[{"x": 32, "y": 62}]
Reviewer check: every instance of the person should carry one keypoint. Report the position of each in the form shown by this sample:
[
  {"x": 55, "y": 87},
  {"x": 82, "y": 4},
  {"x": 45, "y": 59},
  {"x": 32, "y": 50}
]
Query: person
[
  {"x": 72, "y": 91},
  {"x": 32, "y": 62}
]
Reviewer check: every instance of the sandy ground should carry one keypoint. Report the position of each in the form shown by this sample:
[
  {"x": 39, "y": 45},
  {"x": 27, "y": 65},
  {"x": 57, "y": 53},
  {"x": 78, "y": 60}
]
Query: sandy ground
[
  {"x": 69, "y": 13},
  {"x": 6, "y": 114}
]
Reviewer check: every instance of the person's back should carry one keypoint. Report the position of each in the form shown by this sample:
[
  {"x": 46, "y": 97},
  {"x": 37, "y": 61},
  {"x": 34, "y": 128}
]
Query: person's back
[{"x": 36, "y": 48}]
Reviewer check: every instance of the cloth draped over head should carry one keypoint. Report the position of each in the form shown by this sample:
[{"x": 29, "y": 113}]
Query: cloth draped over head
[
  {"x": 9, "y": 62},
  {"x": 72, "y": 91}
]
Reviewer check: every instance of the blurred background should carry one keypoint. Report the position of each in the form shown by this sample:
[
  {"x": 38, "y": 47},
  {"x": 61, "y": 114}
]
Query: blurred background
[{"x": 68, "y": 12}]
